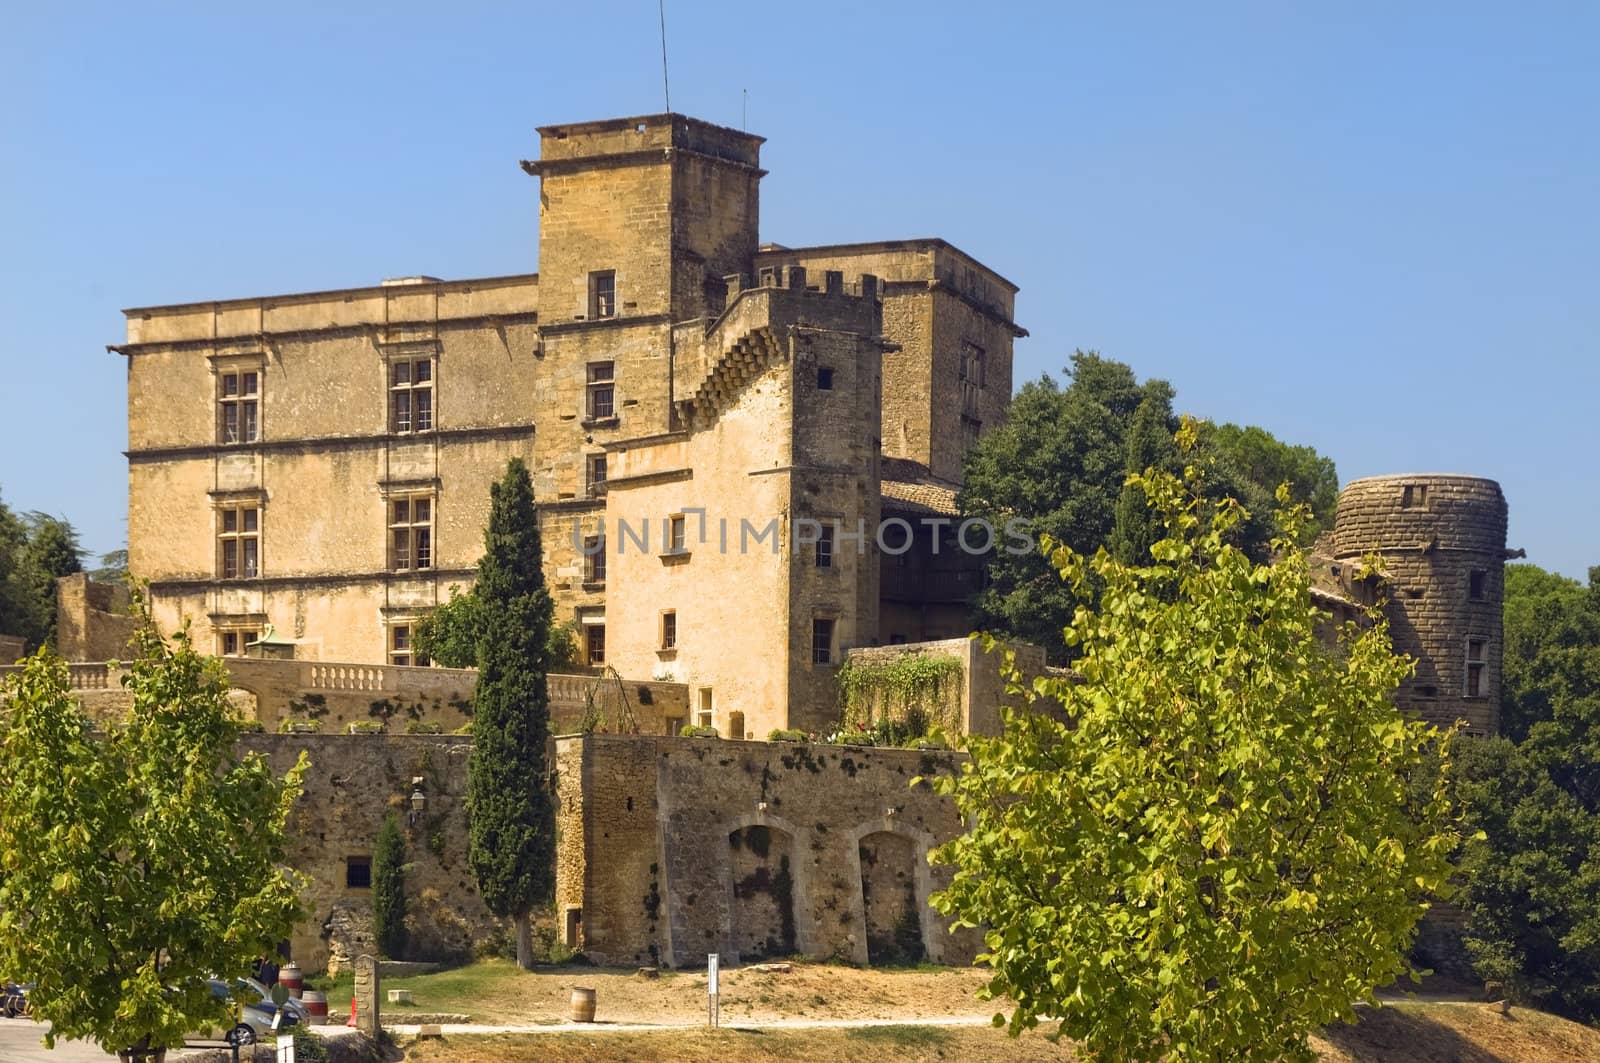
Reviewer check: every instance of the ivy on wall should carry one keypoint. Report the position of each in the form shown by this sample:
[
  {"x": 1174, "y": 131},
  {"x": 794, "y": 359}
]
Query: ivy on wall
[{"x": 908, "y": 688}]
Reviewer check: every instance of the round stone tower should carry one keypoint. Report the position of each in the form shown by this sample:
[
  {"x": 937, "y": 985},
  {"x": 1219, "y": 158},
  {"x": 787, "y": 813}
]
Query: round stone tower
[{"x": 1442, "y": 540}]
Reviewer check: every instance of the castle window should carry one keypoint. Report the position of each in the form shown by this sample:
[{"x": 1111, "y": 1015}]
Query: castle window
[
  {"x": 411, "y": 395},
  {"x": 602, "y": 398},
  {"x": 669, "y": 630},
  {"x": 1477, "y": 663},
  {"x": 1477, "y": 581},
  {"x": 973, "y": 368},
  {"x": 596, "y": 471},
  {"x": 824, "y": 378},
  {"x": 1414, "y": 496},
  {"x": 676, "y": 537},
  {"x": 822, "y": 640},
  {"x": 706, "y": 714},
  {"x": 594, "y": 559},
  {"x": 234, "y": 641},
  {"x": 401, "y": 651},
  {"x": 824, "y": 546},
  {"x": 602, "y": 294},
  {"x": 411, "y": 533},
  {"x": 239, "y": 542},
  {"x": 358, "y": 872},
  {"x": 595, "y": 644},
  {"x": 238, "y": 396},
  {"x": 735, "y": 725}
]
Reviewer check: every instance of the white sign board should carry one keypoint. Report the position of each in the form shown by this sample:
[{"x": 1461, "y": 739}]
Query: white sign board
[
  {"x": 711, "y": 974},
  {"x": 285, "y": 1052}
]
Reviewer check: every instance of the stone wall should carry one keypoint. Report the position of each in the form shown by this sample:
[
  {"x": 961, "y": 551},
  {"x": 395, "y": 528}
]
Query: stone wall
[
  {"x": 92, "y": 619},
  {"x": 10, "y": 649},
  {"x": 673, "y": 848},
  {"x": 327, "y": 698},
  {"x": 973, "y": 702},
  {"x": 1442, "y": 543},
  {"x": 354, "y": 781}
]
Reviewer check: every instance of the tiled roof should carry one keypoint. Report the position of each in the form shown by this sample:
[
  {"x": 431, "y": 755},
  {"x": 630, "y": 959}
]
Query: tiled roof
[{"x": 919, "y": 496}]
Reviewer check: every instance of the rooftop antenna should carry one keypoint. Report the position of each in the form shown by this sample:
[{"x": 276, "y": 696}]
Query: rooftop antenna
[{"x": 661, "y": 6}]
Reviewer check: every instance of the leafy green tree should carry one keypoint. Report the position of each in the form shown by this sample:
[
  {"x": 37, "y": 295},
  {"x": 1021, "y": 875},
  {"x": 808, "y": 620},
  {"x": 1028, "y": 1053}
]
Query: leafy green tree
[
  {"x": 449, "y": 636},
  {"x": 136, "y": 863},
  {"x": 52, "y": 552},
  {"x": 1225, "y": 847},
  {"x": 1059, "y": 463},
  {"x": 1252, "y": 462},
  {"x": 35, "y": 550},
  {"x": 1137, "y": 527},
  {"x": 16, "y": 613},
  {"x": 511, "y": 847},
  {"x": 113, "y": 567},
  {"x": 1531, "y": 884},
  {"x": 389, "y": 889}
]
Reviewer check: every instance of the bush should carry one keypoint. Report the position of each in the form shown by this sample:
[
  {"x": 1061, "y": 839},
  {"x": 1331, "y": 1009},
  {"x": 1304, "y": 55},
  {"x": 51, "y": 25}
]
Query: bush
[
  {"x": 309, "y": 1046},
  {"x": 691, "y": 731},
  {"x": 291, "y": 727},
  {"x": 366, "y": 727},
  {"x": 464, "y": 729},
  {"x": 423, "y": 727},
  {"x": 787, "y": 734}
]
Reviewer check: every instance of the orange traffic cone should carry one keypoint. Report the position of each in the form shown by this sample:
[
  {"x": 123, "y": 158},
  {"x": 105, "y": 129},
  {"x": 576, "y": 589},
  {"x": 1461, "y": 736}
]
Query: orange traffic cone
[{"x": 352, "y": 1020}]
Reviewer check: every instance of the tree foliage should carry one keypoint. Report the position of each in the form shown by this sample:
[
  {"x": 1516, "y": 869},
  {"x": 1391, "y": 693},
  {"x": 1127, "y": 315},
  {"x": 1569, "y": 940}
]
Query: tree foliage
[
  {"x": 389, "y": 889},
  {"x": 1226, "y": 846},
  {"x": 138, "y": 862},
  {"x": 1062, "y": 463},
  {"x": 1532, "y": 882},
  {"x": 449, "y": 636},
  {"x": 512, "y": 841},
  {"x": 35, "y": 550}
]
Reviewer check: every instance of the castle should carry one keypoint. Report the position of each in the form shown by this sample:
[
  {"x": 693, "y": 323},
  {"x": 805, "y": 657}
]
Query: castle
[
  {"x": 716, "y": 429},
  {"x": 720, "y": 432}
]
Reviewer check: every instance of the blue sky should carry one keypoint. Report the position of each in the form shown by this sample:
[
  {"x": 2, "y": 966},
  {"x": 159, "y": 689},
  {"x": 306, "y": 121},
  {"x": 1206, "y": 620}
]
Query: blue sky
[{"x": 1372, "y": 228}]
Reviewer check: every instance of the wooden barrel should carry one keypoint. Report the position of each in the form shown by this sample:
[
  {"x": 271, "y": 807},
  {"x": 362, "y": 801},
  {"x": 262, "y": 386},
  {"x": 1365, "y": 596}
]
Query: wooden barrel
[
  {"x": 316, "y": 1003},
  {"x": 292, "y": 978},
  {"x": 582, "y": 1004}
]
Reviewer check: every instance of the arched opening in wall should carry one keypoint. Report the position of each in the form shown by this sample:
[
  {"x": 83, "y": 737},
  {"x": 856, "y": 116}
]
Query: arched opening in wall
[
  {"x": 889, "y": 900},
  {"x": 763, "y": 892},
  {"x": 736, "y": 725}
]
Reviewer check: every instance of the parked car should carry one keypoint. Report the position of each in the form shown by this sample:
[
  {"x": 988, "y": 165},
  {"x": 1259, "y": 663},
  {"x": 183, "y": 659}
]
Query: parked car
[
  {"x": 13, "y": 999},
  {"x": 254, "y": 991},
  {"x": 255, "y": 1018}
]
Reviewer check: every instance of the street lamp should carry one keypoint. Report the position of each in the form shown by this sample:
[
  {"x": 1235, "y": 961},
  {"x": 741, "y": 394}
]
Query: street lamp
[{"x": 419, "y": 803}]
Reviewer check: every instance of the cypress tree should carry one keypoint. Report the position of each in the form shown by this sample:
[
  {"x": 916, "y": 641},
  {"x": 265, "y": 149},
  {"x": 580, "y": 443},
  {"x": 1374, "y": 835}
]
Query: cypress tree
[
  {"x": 512, "y": 841},
  {"x": 389, "y": 890}
]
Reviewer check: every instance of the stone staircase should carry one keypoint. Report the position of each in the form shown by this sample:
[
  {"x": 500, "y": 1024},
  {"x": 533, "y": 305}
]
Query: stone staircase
[{"x": 749, "y": 356}]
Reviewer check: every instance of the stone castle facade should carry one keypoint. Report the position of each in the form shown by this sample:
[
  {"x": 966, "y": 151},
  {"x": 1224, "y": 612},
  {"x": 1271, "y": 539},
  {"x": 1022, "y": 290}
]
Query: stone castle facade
[
  {"x": 317, "y": 465},
  {"x": 709, "y": 422}
]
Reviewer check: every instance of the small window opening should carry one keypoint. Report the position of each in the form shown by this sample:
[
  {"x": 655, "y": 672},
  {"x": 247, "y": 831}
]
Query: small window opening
[
  {"x": 358, "y": 872},
  {"x": 822, "y": 640},
  {"x": 603, "y": 294},
  {"x": 1477, "y": 663},
  {"x": 824, "y": 378},
  {"x": 1477, "y": 584}
]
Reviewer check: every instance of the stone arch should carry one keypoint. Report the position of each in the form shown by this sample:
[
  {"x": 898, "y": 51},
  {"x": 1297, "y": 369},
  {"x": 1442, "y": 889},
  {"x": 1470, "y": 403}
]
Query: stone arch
[
  {"x": 910, "y": 841},
  {"x": 766, "y": 888}
]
